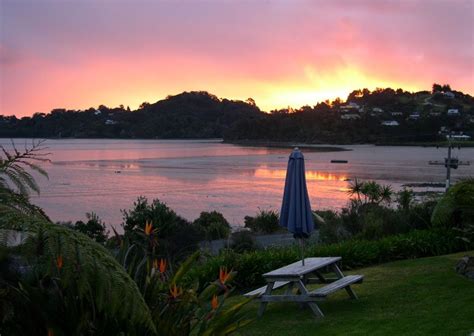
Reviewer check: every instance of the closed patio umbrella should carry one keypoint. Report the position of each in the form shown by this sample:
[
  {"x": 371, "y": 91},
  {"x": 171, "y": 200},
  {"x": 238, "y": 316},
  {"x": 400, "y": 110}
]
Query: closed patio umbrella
[{"x": 295, "y": 212}]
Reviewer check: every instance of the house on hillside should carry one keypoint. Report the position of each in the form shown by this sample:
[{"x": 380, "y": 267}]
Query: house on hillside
[
  {"x": 111, "y": 122},
  {"x": 459, "y": 137},
  {"x": 98, "y": 112},
  {"x": 414, "y": 116},
  {"x": 377, "y": 110},
  {"x": 396, "y": 114},
  {"x": 350, "y": 116},
  {"x": 449, "y": 94},
  {"x": 350, "y": 107},
  {"x": 453, "y": 113},
  {"x": 435, "y": 114},
  {"x": 390, "y": 123}
]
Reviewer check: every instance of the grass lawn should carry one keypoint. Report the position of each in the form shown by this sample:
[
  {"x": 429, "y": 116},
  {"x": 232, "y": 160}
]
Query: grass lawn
[{"x": 411, "y": 297}]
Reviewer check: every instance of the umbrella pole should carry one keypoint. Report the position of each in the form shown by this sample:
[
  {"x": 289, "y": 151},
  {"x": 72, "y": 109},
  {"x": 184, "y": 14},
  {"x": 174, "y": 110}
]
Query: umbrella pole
[{"x": 302, "y": 250}]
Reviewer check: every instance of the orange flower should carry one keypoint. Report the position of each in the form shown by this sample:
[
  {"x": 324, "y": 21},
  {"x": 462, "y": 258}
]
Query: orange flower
[
  {"x": 162, "y": 265},
  {"x": 155, "y": 264},
  {"x": 175, "y": 291},
  {"x": 214, "y": 302},
  {"x": 223, "y": 275},
  {"x": 148, "y": 228},
  {"x": 59, "y": 261}
]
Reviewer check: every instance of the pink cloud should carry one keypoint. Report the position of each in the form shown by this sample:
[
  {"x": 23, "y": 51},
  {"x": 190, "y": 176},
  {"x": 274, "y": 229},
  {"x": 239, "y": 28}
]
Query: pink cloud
[{"x": 77, "y": 54}]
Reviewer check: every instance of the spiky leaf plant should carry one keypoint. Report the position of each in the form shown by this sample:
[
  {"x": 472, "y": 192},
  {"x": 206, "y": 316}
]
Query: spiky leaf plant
[{"x": 55, "y": 279}]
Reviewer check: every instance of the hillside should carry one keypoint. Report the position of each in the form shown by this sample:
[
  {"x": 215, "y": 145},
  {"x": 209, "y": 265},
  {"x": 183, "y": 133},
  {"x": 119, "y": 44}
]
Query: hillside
[
  {"x": 379, "y": 116},
  {"x": 186, "y": 115}
]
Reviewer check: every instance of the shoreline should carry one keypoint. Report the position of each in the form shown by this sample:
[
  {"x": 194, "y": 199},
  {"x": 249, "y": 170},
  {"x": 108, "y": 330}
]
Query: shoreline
[
  {"x": 286, "y": 145},
  {"x": 273, "y": 144}
]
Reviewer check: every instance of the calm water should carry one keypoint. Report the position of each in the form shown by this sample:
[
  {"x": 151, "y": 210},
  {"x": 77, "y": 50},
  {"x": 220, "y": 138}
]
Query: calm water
[{"x": 194, "y": 175}]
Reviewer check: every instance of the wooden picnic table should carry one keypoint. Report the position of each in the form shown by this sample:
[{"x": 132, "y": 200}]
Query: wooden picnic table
[{"x": 297, "y": 275}]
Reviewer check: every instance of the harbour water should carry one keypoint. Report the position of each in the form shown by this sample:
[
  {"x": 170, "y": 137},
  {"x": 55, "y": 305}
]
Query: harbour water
[{"x": 191, "y": 176}]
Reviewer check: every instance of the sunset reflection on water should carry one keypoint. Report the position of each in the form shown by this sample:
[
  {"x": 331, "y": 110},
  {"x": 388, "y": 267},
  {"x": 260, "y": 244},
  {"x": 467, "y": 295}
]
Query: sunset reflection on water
[
  {"x": 310, "y": 175},
  {"x": 322, "y": 186}
]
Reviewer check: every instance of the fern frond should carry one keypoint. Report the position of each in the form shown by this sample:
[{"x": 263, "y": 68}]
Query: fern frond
[{"x": 88, "y": 267}]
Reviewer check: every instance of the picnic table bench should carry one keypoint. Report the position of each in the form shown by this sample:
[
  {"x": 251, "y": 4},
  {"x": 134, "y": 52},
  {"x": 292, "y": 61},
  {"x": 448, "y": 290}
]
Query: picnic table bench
[{"x": 299, "y": 275}]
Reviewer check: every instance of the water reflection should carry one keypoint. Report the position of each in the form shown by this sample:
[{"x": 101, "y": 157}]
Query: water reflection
[{"x": 310, "y": 175}]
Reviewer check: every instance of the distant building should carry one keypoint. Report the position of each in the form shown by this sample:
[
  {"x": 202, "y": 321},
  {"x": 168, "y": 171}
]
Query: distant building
[
  {"x": 110, "y": 122},
  {"x": 350, "y": 116},
  {"x": 453, "y": 112},
  {"x": 396, "y": 114},
  {"x": 98, "y": 112},
  {"x": 354, "y": 104},
  {"x": 350, "y": 107},
  {"x": 414, "y": 116},
  {"x": 377, "y": 110},
  {"x": 449, "y": 94},
  {"x": 435, "y": 114},
  {"x": 390, "y": 123},
  {"x": 461, "y": 137}
]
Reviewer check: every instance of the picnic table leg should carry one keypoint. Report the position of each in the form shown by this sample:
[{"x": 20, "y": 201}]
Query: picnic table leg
[
  {"x": 340, "y": 275},
  {"x": 263, "y": 305},
  {"x": 320, "y": 277},
  {"x": 314, "y": 307},
  {"x": 289, "y": 290}
]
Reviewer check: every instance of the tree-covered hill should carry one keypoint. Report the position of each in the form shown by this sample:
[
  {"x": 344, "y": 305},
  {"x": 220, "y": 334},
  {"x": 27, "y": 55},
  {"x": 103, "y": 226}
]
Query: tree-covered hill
[
  {"x": 186, "y": 115},
  {"x": 379, "y": 116}
]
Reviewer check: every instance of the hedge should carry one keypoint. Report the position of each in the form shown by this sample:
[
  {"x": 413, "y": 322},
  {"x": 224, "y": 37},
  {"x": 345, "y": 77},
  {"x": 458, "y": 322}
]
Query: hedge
[{"x": 355, "y": 253}]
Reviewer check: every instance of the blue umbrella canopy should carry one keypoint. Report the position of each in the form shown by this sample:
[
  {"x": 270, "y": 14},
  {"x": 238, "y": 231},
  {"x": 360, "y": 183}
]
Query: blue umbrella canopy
[{"x": 295, "y": 212}]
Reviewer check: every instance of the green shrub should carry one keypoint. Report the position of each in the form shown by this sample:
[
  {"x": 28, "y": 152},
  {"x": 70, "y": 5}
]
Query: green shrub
[
  {"x": 355, "y": 253},
  {"x": 94, "y": 228},
  {"x": 456, "y": 208},
  {"x": 213, "y": 225},
  {"x": 176, "y": 238},
  {"x": 266, "y": 221},
  {"x": 332, "y": 229}
]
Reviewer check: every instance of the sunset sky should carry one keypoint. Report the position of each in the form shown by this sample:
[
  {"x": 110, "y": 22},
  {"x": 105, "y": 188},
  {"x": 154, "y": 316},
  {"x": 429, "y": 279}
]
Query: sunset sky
[{"x": 82, "y": 53}]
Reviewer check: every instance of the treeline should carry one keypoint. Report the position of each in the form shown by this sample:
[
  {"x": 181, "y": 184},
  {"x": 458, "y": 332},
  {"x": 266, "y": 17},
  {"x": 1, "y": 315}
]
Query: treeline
[
  {"x": 186, "y": 115},
  {"x": 415, "y": 117},
  {"x": 418, "y": 117}
]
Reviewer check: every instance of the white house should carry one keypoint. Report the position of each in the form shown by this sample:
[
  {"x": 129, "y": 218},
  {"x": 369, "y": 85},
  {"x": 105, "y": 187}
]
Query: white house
[
  {"x": 390, "y": 123},
  {"x": 350, "y": 116},
  {"x": 354, "y": 105},
  {"x": 110, "y": 122},
  {"x": 414, "y": 116},
  {"x": 377, "y": 110},
  {"x": 435, "y": 114},
  {"x": 461, "y": 137},
  {"x": 98, "y": 112},
  {"x": 396, "y": 114},
  {"x": 449, "y": 94},
  {"x": 453, "y": 112},
  {"x": 350, "y": 106}
]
